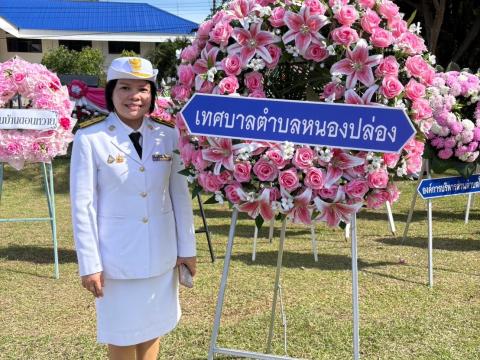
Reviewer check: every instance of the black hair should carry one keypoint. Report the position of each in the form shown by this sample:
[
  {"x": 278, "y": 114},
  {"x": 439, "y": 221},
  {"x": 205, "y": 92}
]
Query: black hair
[{"x": 109, "y": 94}]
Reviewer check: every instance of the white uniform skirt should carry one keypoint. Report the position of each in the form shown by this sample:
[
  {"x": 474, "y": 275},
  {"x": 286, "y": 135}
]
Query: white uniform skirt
[{"x": 137, "y": 310}]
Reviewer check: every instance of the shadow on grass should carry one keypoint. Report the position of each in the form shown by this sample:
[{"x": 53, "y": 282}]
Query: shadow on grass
[
  {"x": 296, "y": 260},
  {"x": 393, "y": 277},
  {"x": 418, "y": 215},
  {"x": 34, "y": 174},
  {"x": 438, "y": 243},
  {"x": 37, "y": 254}
]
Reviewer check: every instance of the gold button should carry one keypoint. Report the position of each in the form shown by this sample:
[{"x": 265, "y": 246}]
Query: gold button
[
  {"x": 143, "y": 194},
  {"x": 145, "y": 220},
  {"x": 142, "y": 169}
]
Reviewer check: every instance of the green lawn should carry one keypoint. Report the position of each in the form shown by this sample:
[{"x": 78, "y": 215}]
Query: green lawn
[{"x": 401, "y": 318}]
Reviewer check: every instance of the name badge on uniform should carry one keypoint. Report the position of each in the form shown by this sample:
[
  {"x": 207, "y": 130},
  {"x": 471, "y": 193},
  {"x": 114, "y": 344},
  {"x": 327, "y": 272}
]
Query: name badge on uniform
[{"x": 161, "y": 157}]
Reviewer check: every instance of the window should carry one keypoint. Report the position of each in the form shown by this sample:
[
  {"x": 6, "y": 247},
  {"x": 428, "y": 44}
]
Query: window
[
  {"x": 76, "y": 45},
  {"x": 116, "y": 47},
  {"x": 24, "y": 45}
]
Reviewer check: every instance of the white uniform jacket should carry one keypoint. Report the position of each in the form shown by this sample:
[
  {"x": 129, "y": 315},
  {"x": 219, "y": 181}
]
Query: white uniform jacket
[{"x": 131, "y": 217}]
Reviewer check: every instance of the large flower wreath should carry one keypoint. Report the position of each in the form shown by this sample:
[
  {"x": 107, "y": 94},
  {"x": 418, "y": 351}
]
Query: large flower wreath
[
  {"x": 42, "y": 89},
  {"x": 356, "y": 52},
  {"x": 454, "y": 138}
]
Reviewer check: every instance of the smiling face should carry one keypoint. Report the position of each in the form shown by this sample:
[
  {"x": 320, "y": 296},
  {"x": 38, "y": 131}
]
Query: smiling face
[{"x": 131, "y": 99}]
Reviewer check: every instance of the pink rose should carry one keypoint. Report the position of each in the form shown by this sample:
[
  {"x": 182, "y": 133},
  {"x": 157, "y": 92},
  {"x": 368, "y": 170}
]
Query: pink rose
[
  {"x": 232, "y": 65},
  {"x": 65, "y": 123},
  {"x": 225, "y": 177},
  {"x": 19, "y": 77},
  {"x": 388, "y": 9},
  {"x": 180, "y": 93},
  {"x": 316, "y": 52},
  {"x": 333, "y": 91},
  {"x": 416, "y": 66},
  {"x": 381, "y": 38},
  {"x": 398, "y": 26},
  {"x": 275, "y": 52},
  {"x": 209, "y": 182},
  {"x": 377, "y": 198},
  {"x": 241, "y": 171},
  {"x": 288, "y": 180},
  {"x": 197, "y": 160},
  {"x": 414, "y": 90},
  {"x": 367, "y": 3},
  {"x": 421, "y": 109},
  {"x": 411, "y": 43},
  {"x": 391, "y": 159},
  {"x": 393, "y": 192},
  {"x": 257, "y": 94},
  {"x": 228, "y": 85},
  {"x": 356, "y": 188},
  {"x": 221, "y": 33},
  {"x": 276, "y": 157},
  {"x": 253, "y": 81},
  {"x": 378, "y": 179},
  {"x": 303, "y": 158},
  {"x": 329, "y": 193},
  {"x": 314, "y": 178},
  {"x": 186, "y": 76},
  {"x": 276, "y": 20},
  {"x": 391, "y": 87},
  {"x": 189, "y": 54},
  {"x": 13, "y": 148},
  {"x": 370, "y": 21},
  {"x": 265, "y": 170},
  {"x": 345, "y": 35},
  {"x": 387, "y": 66},
  {"x": 347, "y": 15},
  {"x": 315, "y": 6},
  {"x": 232, "y": 194},
  {"x": 186, "y": 152},
  {"x": 204, "y": 29}
]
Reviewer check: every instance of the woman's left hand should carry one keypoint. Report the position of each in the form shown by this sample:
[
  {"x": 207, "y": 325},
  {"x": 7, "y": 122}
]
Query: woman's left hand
[{"x": 190, "y": 262}]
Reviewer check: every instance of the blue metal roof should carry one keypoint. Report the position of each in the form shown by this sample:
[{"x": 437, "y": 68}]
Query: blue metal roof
[{"x": 109, "y": 17}]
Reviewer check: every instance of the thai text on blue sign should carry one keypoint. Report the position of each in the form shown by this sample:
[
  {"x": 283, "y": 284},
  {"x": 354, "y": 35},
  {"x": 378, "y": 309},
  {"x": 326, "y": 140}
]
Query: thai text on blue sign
[
  {"x": 449, "y": 186},
  {"x": 358, "y": 127}
]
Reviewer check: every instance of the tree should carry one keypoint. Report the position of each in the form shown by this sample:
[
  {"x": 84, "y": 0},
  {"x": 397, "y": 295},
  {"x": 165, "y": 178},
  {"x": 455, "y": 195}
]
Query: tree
[
  {"x": 164, "y": 57},
  {"x": 63, "y": 61},
  {"x": 451, "y": 29}
]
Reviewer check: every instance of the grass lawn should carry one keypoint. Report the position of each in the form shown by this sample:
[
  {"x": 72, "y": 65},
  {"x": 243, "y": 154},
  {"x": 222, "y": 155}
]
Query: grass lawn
[{"x": 400, "y": 317}]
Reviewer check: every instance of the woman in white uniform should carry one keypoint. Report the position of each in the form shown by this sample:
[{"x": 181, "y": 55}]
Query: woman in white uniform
[{"x": 132, "y": 215}]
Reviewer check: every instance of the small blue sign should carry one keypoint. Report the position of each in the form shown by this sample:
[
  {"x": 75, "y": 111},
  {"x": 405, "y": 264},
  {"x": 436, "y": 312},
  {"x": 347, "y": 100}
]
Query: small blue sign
[
  {"x": 449, "y": 186},
  {"x": 356, "y": 127}
]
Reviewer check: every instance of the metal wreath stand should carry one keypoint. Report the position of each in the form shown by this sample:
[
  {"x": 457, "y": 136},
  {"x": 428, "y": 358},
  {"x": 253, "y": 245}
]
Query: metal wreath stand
[{"x": 214, "y": 349}]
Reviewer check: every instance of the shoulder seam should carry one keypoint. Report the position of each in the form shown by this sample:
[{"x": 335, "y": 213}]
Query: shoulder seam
[{"x": 90, "y": 122}]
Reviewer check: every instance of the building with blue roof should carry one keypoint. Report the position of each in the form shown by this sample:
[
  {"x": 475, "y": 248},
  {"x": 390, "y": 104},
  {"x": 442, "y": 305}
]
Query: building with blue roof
[{"x": 29, "y": 28}]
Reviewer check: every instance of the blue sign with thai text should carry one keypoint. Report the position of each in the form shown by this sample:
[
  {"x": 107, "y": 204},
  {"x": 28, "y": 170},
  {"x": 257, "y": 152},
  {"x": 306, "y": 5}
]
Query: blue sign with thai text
[
  {"x": 449, "y": 186},
  {"x": 356, "y": 127}
]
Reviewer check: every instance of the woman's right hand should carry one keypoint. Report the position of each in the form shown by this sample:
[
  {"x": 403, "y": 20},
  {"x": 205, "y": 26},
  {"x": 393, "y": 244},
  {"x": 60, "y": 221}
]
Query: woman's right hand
[{"x": 94, "y": 283}]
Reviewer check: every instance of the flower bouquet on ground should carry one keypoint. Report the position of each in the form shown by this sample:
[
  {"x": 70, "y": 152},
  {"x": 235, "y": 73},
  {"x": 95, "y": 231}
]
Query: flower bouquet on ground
[
  {"x": 454, "y": 137},
  {"x": 355, "y": 52}
]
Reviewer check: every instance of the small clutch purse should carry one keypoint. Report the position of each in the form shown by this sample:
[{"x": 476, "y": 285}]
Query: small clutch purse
[{"x": 185, "y": 278}]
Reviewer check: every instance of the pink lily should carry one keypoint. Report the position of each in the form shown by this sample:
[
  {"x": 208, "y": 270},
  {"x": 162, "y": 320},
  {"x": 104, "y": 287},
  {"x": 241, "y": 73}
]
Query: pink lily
[
  {"x": 303, "y": 28},
  {"x": 351, "y": 97},
  {"x": 208, "y": 59},
  {"x": 260, "y": 206},
  {"x": 251, "y": 42},
  {"x": 340, "y": 161},
  {"x": 220, "y": 152},
  {"x": 333, "y": 213},
  {"x": 241, "y": 9},
  {"x": 301, "y": 212},
  {"x": 357, "y": 66}
]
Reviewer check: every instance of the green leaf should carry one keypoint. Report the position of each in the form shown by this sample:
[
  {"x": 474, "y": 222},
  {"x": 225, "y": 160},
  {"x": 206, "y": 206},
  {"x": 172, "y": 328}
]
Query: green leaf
[
  {"x": 411, "y": 18},
  {"x": 185, "y": 172},
  {"x": 176, "y": 151},
  {"x": 315, "y": 214},
  {"x": 342, "y": 225},
  {"x": 453, "y": 67},
  {"x": 196, "y": 190},
  {"x": 259, "y": 222},
  {"x": 311, "y": 95},
  {"x": 210, "y": 200}
]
